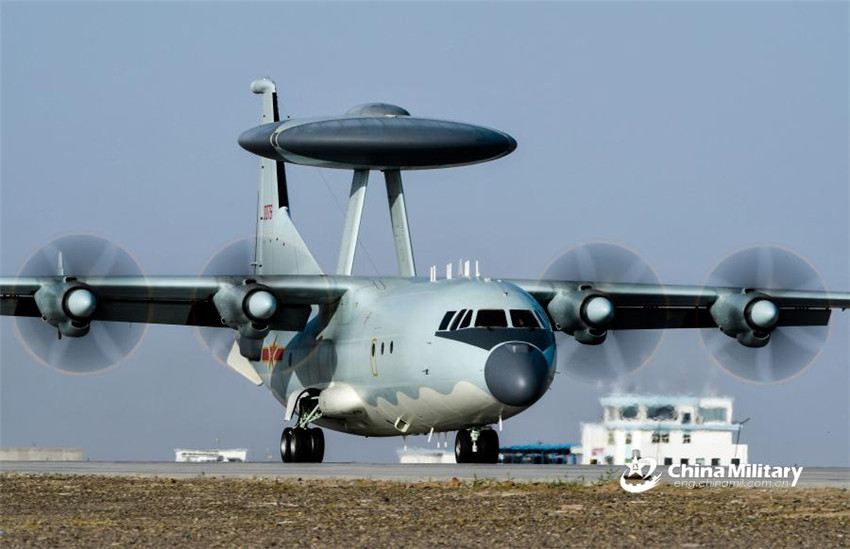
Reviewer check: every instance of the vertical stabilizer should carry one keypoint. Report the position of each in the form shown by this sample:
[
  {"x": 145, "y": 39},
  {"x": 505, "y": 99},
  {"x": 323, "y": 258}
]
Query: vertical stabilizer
[{"x": 279, "y": 247}]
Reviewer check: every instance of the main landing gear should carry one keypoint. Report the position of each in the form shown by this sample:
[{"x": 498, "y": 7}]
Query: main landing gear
[
  {"x": 477, "y": 446},
  {"x": 302, "y": 445}
]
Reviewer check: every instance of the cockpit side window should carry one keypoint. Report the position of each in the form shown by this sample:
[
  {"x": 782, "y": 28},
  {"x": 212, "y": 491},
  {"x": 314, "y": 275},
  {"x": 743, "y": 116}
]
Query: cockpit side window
[
  {"x": 491, "y": 318},
  {"x": 446, "y": 319},
  {"x": 523, "y": 318},
  {"x": 542, "y": 320},
  {"x": 466, "y": 320},
  {"x": 457, "y": 319}
]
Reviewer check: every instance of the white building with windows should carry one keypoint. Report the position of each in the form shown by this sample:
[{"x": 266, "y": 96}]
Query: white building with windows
[
  {"x": 209, "y": 456},
  {"x": 426, "y": 455},
  {"x": 671, "y": 429}
]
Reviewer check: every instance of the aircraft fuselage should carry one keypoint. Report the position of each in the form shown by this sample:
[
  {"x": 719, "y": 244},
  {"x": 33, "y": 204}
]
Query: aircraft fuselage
[{"x": 390, "y": 359}]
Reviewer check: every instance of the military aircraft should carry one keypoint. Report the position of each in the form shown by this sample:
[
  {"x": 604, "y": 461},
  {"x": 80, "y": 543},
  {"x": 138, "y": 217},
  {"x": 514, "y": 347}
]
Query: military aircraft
[{"x": 397, "y": 356}]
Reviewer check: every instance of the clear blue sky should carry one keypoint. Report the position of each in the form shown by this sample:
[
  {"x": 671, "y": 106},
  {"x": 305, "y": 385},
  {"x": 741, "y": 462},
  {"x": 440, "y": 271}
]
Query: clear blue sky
[{"x": 684, "y": 130}]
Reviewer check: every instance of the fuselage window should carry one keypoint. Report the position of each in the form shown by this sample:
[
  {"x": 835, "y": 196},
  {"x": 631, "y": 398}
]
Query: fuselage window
[
  {"x": 391, "y": 347},
  {"x": 373, "y": 348},
  {"x": 491, "y": 318},
  {"x": 382, "y": 347},
  {"x": 446, "y": 319},
  {"x": 457, "y": 319},
  {"x": 467, "y": 318},
  {"x": 523, "y": 318}
]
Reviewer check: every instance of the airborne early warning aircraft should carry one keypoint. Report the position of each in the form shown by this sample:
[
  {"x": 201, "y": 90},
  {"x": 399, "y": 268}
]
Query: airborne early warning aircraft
[{"x": 390, "y": 356}]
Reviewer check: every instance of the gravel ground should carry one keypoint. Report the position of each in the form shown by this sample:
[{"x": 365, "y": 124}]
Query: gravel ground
[{"x": 92, "y": 511}]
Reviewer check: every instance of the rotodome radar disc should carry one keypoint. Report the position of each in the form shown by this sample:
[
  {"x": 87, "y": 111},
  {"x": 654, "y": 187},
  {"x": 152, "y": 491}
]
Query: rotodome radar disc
[
  {"x": 107, "y": 343},
  {"x": 624, "y": 351}
]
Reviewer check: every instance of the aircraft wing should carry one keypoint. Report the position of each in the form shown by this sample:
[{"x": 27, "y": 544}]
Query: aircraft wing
[
  {"x": 186, "y": 301},
  {"x": 646, "y": 306}
]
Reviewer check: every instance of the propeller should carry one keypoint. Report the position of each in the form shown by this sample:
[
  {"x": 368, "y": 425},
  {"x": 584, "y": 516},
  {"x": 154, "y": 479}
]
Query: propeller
[
  {"x": 621, "y": 352},
  {"x": 105, "y": 343},
  {"x": 234, "y": 258},
  {"x": 791, "y": 349}
]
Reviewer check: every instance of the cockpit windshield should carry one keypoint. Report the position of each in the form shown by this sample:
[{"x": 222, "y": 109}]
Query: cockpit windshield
[
  {"x": 523, "y": 318},
  {"x": 491, "y": 318},
  {"x": 446, "y": 319},
  {"x": 457, "y": 319}
]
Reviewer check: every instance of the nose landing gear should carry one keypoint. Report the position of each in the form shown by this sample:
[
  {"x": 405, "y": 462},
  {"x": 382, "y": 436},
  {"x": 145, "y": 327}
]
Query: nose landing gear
[{"x": 477, "y": 445}]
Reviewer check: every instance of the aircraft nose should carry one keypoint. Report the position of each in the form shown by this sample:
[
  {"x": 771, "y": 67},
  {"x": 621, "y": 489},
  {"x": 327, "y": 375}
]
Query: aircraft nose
[
  {"x": 516, "y": 374},
  {"x": 257, "y": 140}
]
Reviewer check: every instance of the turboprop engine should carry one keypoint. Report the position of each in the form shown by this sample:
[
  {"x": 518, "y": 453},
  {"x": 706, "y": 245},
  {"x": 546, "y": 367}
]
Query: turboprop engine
[
  {"x": 69, "y": 306},
  {"x": 248, "y": 309},
  {"x": 585, "y": 315},
  {"x": 748, "y": 317}
]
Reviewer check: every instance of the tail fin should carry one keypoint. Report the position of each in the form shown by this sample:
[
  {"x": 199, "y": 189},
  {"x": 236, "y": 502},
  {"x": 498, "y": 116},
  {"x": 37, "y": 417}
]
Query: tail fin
[{"x": 279, "y": 246}]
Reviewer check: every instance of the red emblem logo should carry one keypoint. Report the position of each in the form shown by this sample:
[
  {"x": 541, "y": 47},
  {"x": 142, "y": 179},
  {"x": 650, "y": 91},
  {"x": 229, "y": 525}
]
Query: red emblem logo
[{"x": 272, "y": 354}]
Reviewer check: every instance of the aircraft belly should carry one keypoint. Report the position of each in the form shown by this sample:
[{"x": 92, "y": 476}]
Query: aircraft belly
[{"x": 464, "y": 405}]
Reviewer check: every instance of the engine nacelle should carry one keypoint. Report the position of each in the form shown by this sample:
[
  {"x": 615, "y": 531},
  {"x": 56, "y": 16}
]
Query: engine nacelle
[
  {"x": 585, "y": 315},
  {"x": 69, "y": 306},
  {"x": 248, "y": 309},
  {"x": 749, "y": 318}
]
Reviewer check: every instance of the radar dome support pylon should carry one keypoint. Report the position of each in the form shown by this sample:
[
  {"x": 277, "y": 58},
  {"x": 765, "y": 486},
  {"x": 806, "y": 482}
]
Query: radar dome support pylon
[
  {"x": 374, "y": 136},
  {"x": 351, "y": 230},
  {"x": 398, "y": 218}
]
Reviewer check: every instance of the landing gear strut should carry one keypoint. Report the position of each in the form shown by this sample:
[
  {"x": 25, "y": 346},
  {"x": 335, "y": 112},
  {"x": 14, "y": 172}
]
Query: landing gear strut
[
  {"x": 477, "y": 446},
  {"x": 302, "y": 445}
]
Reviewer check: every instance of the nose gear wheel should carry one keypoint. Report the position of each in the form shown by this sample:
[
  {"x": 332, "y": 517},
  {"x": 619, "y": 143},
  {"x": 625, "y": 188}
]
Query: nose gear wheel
[{"x": 477, "y": 446}]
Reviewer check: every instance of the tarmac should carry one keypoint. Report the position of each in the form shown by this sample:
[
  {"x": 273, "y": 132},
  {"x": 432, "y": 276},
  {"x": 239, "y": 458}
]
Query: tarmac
[{"x": 811, "y": 477}]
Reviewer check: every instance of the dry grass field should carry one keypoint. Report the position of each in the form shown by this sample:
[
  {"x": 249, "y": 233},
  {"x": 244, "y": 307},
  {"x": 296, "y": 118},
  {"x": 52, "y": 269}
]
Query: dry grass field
[{"x": 100, "y": 511}]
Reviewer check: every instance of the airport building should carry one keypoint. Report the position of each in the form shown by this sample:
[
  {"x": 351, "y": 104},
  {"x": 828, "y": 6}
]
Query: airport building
[
  {"x": 41, "y": 454},
  {"x": 426, "y": 455},
  {"x": 672, "y": 429},
  {"x": 207, "y": 456}
]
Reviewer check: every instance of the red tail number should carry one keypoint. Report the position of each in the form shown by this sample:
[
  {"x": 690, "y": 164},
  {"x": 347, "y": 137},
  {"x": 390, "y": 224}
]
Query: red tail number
[{"x": 267, "y": 212}]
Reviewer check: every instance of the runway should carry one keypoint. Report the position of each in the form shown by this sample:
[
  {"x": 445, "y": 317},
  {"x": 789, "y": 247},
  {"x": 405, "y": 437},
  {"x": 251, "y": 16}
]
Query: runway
[{"x": 836, "y": 477}]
